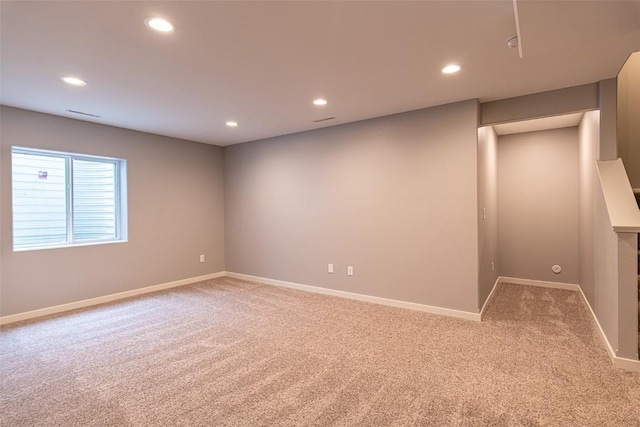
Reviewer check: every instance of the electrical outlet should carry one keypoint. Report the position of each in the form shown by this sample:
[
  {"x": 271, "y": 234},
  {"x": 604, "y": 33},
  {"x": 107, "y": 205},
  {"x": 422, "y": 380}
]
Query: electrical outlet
[
  {"x": 350, "y": 270},
  {"x": 493, "y": 267},
  {"x": 201, "y": 258},
  {"x": 484, "y": 213},
  {"x": 330, "y": 268}
]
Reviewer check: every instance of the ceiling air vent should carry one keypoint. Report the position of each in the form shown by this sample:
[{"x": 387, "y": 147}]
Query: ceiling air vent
[
  {"x": 326, "y": 119},
  {"x": 84, "y": 114}
]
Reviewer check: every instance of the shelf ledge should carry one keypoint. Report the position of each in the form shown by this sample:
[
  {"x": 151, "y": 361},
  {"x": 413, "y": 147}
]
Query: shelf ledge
[{"x": 619, "y": 198}]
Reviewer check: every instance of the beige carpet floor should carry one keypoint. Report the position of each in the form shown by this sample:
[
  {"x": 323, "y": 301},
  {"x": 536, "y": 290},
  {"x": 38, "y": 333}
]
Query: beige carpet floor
[{"x": 232, "y": 353}]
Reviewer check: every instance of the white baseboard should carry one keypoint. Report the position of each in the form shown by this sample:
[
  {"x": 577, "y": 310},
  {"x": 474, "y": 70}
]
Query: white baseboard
[
  {"x": 360, "y": 297},
  {"x": 626, "y": 364},
  {"x": 486, "y": 302},
  {"x": 539, "y": 283},
  {"x": 618, "y": 362},
  {"x": 101, "y": 300},
  {"x": 529, "y": 282}
]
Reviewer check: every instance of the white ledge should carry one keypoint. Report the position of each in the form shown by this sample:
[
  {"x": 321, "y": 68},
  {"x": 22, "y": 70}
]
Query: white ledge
[{"x": 624, "y": 214}]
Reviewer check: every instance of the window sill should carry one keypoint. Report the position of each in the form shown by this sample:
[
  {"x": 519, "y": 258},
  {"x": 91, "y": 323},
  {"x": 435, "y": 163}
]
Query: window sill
[{"x": 69, "y": 245}]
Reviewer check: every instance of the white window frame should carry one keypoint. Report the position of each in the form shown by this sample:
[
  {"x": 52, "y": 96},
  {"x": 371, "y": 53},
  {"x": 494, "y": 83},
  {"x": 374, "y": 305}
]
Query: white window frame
[{"x": 120, "y": 201}]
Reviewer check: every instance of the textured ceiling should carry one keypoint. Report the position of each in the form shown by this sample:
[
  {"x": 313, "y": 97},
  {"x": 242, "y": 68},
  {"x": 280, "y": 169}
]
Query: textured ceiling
[{"x": 262, "y": 63}]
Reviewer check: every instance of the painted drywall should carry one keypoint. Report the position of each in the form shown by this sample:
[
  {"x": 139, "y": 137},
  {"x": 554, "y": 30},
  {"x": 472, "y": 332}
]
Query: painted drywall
[
  {"x": 589, "y": 140},
  {"x": 544, "y": 104},
  {"x": 2, "y": 218},
  {"x": 607, "y": 259},
  {"x": 628, "y": 122},
  {"x": 175, "y": 213},
  {"x": 607, "y": 92},
  {"x": 605, "y": 271},
  {"x": 487, "y": 211},
  {"x": 615, "y": 283},
  {"x": 605, "y": 298},
  {"x": 538, "y": 205},
  {"x": 627, "y": 295},
  {"x": 618, "y": 195},
  {"x": 394, "y": 197}
]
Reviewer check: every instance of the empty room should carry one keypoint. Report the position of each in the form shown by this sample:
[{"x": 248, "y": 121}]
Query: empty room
[{"x": 322, "y": 213}]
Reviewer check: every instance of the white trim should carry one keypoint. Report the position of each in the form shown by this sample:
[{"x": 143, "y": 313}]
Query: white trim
[
  {"x": 539, "y": 283},
  {"x": 626, "y": 364},
  {"x": 106, "y": 298},
  {"x": 605, "y": 341},
  {"x": 69, "y": 245},
  {"x": 625, "y": 229},
  {"x": 360, "y": 297},
  {"x": 528, "y": 282},
  {"x": 486, "y": 302},
  {"x": 618, "y": 362},
  {"x": 618, "y": 196}
]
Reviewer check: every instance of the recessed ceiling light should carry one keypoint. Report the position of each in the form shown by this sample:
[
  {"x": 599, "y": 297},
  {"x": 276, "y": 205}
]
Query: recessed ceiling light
[
  {"x": 159, "y": 24},
  {"x": 450, "y": 69},
  {"x": 232, "y": 124},
  {"x": 320, "y": 101},
  {"x": 74, "y": 81}
]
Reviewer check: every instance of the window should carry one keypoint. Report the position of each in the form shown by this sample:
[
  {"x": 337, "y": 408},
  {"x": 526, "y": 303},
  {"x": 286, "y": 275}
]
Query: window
[{"x": 65, "y": 199}]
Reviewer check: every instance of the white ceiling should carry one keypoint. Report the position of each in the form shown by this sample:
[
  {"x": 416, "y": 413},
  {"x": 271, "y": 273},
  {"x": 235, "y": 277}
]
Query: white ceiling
[{"x": 262, "y": 63}]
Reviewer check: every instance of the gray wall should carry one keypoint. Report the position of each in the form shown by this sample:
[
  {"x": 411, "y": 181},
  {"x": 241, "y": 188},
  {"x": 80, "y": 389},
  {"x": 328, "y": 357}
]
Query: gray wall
[
  {"x": 395, "y": 197},
  {"x": 627, "y": 345},
  {"x": 538, "y": 205},
  {"x": 487, "y": 222},
  {"x": 543, "y": 104},
  {"x": 608, "y": 260},
  {"x": 629, "y": 118},
  {"x": 605, "y": 295},
  {"x": 608, "y": 120},
  {"x": 605, "y": 272},
  {"x": 589, "y": 136},
  {"x": 175, "y": 198}
]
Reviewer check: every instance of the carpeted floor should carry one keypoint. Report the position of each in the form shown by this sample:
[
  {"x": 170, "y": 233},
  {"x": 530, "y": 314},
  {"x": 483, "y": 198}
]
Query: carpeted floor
[{"x": 232, "y": 353}]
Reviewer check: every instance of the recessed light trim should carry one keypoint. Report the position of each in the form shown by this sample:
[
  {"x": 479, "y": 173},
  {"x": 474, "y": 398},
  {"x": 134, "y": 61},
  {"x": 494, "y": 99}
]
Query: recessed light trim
[
  {"x": 74, "y": 81},
  {"x": 158, "y": 24},
  {"x": 232, "y": 124},
  {"x": 320, "y": 102},
  {"x": 451, "y": 68}
]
